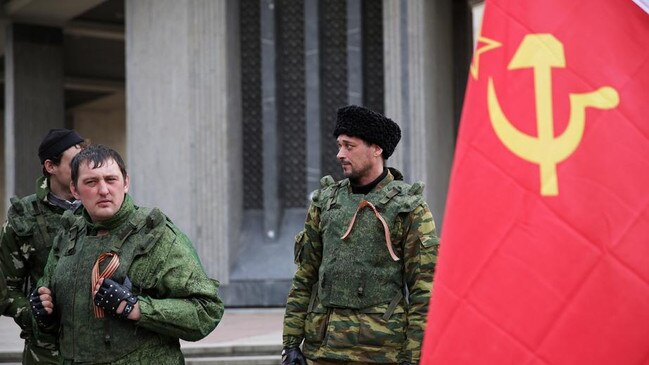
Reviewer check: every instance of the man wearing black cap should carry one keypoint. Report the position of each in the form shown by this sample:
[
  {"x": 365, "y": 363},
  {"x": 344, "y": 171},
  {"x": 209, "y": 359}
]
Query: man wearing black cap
[
  {"x": 365, "y": 257},
  {"x": 26, "y": 239}
]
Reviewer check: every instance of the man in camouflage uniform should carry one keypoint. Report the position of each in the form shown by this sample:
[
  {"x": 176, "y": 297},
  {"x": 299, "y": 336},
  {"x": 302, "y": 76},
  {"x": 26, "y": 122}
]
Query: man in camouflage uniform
[
  {"x": 27, "y": 236},
  {"x": 122, "y": 284},
  {"x": 365, "y": 257}
]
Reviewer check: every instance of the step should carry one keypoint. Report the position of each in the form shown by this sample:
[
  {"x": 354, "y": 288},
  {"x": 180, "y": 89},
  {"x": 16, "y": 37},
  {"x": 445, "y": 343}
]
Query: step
[
  {"x": 204, "y": 354},
  {"x": 216, "y": 350},
  {"x": 235, "y": 360},
  {"x": 11, "y": 356}
]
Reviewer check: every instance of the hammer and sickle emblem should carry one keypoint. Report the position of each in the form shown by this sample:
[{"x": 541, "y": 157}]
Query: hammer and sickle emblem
[{"x": 541, "y": 52}]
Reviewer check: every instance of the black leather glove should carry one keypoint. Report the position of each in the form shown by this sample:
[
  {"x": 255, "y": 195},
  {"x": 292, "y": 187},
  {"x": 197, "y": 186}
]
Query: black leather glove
[
  {"x": 293, "y": 355},
  {"x": 111, "y": 294},
  {"x": 43, "y": 319}
]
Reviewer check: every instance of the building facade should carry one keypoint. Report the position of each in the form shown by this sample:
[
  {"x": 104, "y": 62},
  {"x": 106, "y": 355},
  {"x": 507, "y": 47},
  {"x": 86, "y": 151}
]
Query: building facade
[{"x": 224, "y": 109}]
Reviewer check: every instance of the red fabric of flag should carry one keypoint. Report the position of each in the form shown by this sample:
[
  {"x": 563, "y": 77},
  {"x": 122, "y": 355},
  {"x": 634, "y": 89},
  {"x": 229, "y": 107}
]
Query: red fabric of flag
[{"x": 544, "y": 255}]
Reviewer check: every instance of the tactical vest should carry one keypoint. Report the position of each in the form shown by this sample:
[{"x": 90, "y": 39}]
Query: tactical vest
[
  {"x": 83, "y": 337},
  {"x": 35, "y": 226},
  {"x": 358, "y": 271}
]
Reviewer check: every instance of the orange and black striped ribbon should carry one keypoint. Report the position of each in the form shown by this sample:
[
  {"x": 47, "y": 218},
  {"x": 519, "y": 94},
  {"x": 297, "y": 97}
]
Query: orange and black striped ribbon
[
  {"x": 106, "y": 273},
  {"x": 386, "y": 230}
]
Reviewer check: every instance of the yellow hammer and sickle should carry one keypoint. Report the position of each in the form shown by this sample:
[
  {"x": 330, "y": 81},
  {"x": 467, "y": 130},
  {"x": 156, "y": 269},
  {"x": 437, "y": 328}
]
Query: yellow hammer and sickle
[{"x": 542, "y": 52}]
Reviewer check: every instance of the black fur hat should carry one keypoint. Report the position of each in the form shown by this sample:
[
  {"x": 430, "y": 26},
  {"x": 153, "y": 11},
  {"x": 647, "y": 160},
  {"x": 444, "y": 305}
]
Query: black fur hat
[{"x": 370, "y": 126}]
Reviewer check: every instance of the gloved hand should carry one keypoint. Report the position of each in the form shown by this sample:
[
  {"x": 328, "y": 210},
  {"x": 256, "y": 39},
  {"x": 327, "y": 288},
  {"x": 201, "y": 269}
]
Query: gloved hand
[
  {"x": 293, "y": 355},
  {"x": 111, "y": 294},
  {"x": 43, "y": 319}
]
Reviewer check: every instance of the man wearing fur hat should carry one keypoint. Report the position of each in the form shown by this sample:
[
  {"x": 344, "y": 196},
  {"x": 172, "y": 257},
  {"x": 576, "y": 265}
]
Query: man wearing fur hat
[
  {"x": 365, "y": 257},
  {"x": 27, "y": 236}
]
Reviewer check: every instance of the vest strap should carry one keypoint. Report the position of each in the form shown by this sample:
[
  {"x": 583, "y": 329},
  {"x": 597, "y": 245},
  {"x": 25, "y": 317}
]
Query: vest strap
[
  {"x": 42, "y": 226},
  {"x": 391, "y": 194},
  {"x": 133, "y": 226},
  {"x": 386, "y": 229},
  {"x": 74, "y": 233},
  {"x": 392, "y": 306}
]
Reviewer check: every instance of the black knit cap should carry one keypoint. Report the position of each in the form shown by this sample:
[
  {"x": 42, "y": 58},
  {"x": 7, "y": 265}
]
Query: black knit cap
[
  {"x": 370, "y": 126},
  {"x": 56, "y": 142}
]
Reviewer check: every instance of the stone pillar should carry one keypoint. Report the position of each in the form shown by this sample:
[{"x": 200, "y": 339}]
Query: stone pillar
[
  {"x": 354, "y": 52},
  {"x": 184, "y": 119},
  {"x": 3, "y": 199},
  {"x": 33, "y": 101},
  {"x": 419, "y": 91},
  {"x": 312, "y": 95},
  {"x": 270, "y": 127}
]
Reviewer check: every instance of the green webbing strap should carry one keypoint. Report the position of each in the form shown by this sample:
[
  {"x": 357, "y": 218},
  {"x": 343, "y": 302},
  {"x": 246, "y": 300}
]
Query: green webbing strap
[
  {"x": 392, "y": 306},
  {"x": 133, "y": 226},
  {"x": 15, "y": 202},
  {"x": 391, "y": 194},
  {"x": 42, "y": 226}
]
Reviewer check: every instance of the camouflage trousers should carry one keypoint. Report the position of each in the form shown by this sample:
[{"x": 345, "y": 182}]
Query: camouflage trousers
[
  {"x": 332, "y": 362},
  {"x": 33, "y": 354}
]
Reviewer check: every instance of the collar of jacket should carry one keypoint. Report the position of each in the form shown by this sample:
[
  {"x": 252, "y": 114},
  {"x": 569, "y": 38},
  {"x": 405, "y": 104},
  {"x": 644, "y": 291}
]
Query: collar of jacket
[
  {"x": 42, "y": 188},
  {"x": 393, "y": 174},
  {"x": 122, "y": 215},
  {"x": 43, "y": 195}
]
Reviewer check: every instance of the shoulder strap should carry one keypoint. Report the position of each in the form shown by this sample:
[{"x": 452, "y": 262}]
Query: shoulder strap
[
  {"x": 408, "y": 197},
  {"x": 134, "y": 224},
  {"x": 40, "y": 220},
  {"x": 18, "y": 217},
  {"x": 152, "y": 221},
  {"x": 325, "y": 197}
]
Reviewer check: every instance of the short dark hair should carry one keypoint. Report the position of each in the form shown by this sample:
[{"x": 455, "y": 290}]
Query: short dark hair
[{"x": 97, "y": 154}]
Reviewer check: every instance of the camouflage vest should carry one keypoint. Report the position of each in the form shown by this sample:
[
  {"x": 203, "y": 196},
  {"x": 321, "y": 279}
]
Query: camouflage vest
[
  {"x": 83, "y": 337},
  {"x": 35, "y": 226},
  {"x": 358, "y": 272}
]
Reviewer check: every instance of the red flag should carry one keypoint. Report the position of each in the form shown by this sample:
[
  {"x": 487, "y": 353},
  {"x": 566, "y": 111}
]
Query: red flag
[{"x": 545, "y": 248}]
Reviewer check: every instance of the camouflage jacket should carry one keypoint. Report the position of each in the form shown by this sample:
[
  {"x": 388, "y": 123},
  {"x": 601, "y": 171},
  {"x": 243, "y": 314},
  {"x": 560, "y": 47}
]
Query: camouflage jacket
[
  {"x": 177, "y": 299},
  {"x": 384, "y": 333},
  {"x": 25, "y": 243}
]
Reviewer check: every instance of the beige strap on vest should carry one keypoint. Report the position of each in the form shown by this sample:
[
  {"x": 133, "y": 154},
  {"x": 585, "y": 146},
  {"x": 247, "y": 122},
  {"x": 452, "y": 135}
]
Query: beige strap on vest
[
  {"x": 107, "y": 273},
  {"x": 386, "y": 230}
]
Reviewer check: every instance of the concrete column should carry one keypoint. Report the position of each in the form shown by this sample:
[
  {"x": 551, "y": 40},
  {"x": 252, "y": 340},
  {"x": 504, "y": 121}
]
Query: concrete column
[
  {"x": 3, "y": 200},
  {"x": 419, "y": 91},
  {"x": 184, "y": 119},
  {"x": 33, "y": 101},
  {"x": 354, "y": 52},
  {"x": 395, "y": 55},
  {"x": 272, "y": 203},
  {"x": 312, "y": 79}
]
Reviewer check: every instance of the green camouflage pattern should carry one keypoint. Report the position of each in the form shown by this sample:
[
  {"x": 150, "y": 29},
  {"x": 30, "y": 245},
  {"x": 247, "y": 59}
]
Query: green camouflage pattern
[
  {"x": 176, "y": 298},
  {"x": 363, "y": 335},
  {"x": 358, "y": 271},
  {"x": 25, "y": 243}
]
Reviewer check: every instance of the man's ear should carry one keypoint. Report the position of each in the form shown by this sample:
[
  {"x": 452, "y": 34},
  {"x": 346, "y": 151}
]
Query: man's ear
[
  {"x": 49, "y": 166},
  {"x": 127, "y": 183},
  {"x": 378, "y": 151},
  {"x": 74, "y": 191}
]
